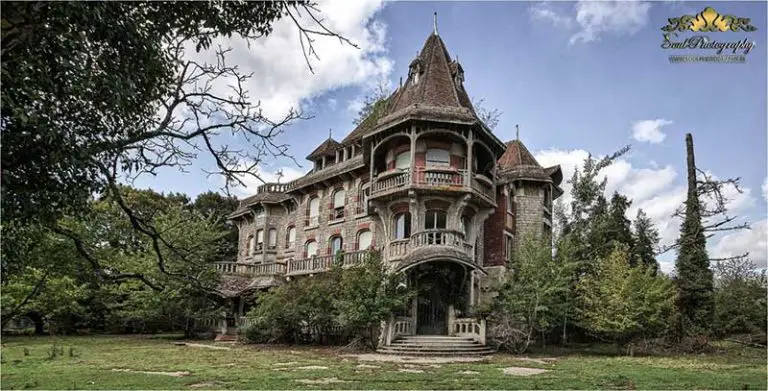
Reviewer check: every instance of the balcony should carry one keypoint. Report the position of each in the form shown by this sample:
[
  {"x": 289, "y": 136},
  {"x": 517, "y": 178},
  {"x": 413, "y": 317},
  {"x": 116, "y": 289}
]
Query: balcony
[
  {"x": 437, "y": 239},
  {"x": 250, "y": 270},
  {"x": 323, "y": 263},
  {"x": 293, "y": 267},
  {"x": 433, "y": 178}
]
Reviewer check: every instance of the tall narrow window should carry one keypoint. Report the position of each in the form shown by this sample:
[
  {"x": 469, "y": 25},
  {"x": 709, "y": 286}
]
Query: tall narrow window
[
  {"x": 438, "y": 157},
  {"x": 336, "y": 244},
  {"x": 259, "y": 240},
  {"x": 272, "y": 239},
  {"x": 402, "y": 225},
  {"x": 508, "y": 248},
  {"x": 291, "y": 237},
  {"x": 435, "y": 219},
  {"x": 249, "y": 248},
  {"x": 464, "y": 225},
  {"x": 339, "y": 198},
  {"x": 364, "y": 240},
  {"x": 310, "y": 248},
  {"x": 314, "y": 211}
]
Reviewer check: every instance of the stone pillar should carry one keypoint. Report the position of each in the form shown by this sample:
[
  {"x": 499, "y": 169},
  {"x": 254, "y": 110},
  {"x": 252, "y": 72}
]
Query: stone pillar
[
  {"x": 451, "y": 319},
  {"x": 413, "y": 155},
  {"x": 470, "y": 173}
]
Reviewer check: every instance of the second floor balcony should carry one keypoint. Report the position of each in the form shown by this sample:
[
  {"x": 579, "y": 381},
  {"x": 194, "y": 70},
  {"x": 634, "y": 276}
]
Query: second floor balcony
[
  {"x": 436, "y": 239},
  {"x": 436, "y": 179},
  {"x": 292, "y": 267}
]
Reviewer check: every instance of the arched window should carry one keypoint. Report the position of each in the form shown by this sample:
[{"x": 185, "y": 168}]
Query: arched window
[
  {"x": 336, "y": 244},
  {"x": 249, "y": 248},
  {"x": 314, "y": 211},
  {"x": 259, "y": 240},
  {"x": 403, "y": 160},
  {"x": 310, "y": 248},
  {"x": 291, "y": 237},
  {"x": 364, "y": 239},
  {"x": 272, "y": 239},
  {"x": 339, "y": 199},
  {"x": 402, "y": 225},
  {"x": 438, "y": 157}
]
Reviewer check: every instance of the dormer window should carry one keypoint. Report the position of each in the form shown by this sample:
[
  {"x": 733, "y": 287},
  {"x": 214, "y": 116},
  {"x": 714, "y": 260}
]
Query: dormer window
[{"x": 414, "y": 71}]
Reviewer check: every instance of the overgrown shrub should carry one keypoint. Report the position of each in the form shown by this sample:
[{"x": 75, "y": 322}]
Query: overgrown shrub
[{"x": 342, "y": 304}]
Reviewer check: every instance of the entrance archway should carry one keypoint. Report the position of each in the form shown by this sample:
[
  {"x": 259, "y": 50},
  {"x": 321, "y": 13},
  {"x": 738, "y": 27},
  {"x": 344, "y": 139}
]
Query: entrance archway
[{"x": 440, "y": 286}]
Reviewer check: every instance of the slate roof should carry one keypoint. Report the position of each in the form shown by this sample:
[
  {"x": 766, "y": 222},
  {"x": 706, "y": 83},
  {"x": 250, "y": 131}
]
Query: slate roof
[
  {"x": 264, "y": 197},
  {"x": 327, "y": 148},
  {"x": 438, "y": 95},
  {"x": 518, "y": 162}
]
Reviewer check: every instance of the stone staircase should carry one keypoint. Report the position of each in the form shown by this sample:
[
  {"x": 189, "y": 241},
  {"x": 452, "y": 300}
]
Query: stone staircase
[{"x": 435, "y": 345}]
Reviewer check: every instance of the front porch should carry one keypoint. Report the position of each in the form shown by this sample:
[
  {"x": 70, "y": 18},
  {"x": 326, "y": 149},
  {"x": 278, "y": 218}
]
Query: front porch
[{"x": 439, "y": 319}]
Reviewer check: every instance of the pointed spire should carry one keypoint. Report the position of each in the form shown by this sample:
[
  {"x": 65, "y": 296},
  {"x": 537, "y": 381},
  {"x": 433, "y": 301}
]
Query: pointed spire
[
  {"x": 435, "y": 31},
  {"x": 330, "y": 133},
  {"x": 517, "y": 132}
]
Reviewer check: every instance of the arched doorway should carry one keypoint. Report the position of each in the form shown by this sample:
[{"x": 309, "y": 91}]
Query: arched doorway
[{"x": 441, "y": 286}]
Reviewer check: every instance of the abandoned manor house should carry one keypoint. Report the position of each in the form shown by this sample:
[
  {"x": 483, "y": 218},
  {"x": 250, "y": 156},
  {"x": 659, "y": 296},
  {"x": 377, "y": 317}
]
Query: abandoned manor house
[{"x": 424, "y": 182}]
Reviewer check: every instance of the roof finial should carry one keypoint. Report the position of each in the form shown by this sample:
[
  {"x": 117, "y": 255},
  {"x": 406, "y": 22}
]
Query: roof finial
[
  {"x": 330, "y": 133},
  {"x": 435, "y": 32},
  {"x": 517, "y": 132}
]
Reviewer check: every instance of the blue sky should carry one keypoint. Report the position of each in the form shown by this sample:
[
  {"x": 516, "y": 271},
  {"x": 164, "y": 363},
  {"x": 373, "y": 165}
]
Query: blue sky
[{"x": 577, "y": 78}]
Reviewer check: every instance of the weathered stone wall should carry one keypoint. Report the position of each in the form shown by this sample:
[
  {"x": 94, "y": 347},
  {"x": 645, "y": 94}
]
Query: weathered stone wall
[
  {"x": 529, "y": 216},
  {"x": 278, "y": 217}
]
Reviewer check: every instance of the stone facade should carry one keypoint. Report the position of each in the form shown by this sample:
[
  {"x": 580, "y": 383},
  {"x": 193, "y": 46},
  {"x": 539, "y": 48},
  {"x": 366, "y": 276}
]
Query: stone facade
[{"x": 425, "y": 183}]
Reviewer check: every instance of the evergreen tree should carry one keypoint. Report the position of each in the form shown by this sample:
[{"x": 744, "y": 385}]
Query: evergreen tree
[
  {"x": 619, "y": 226},
  {"x": 645, "y": 238},
  {"x": 694, "y": 277}
]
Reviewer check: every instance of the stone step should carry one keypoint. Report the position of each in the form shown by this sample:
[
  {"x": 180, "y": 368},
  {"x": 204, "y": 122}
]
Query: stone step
[
  {"x": 426, "y": 339},
  {"x": 434, "y": 345},
  {"x": 387, "y": 350},
  {"x": 436, "y": 348},
  {"x": 430, "y": 343}
]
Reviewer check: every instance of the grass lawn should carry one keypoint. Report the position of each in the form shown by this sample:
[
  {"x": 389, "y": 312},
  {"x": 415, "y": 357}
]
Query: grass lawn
[{"x": 110, "y": 362}]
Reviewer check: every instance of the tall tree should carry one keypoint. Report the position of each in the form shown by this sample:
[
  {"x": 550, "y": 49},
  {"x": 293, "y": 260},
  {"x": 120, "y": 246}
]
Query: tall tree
[
  {"x": 646, "y": 239},
  {"x": 97, "y": 92},
  {"x": 694, "y": 276},
  {"x": 217, "y": 208}
]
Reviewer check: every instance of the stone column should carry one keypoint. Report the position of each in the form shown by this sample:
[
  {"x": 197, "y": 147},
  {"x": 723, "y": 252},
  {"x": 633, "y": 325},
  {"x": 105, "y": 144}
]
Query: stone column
[{"x": 470, "y": 173}]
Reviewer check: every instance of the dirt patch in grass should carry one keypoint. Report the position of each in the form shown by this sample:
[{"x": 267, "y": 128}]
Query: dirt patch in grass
[
  {"x": 327, "y": 380},
  {"x": 174, "y": 374},
  {"x": 366, "y": 366},
  {"x": 541, "y": 360},
  {"x": 414, "y": 360},
  {"x": 202, "y": 345},
  {"x": 205, "y": 384},
  {"x": 522, "y": 371},
  {"x": 312, "y": 367}
]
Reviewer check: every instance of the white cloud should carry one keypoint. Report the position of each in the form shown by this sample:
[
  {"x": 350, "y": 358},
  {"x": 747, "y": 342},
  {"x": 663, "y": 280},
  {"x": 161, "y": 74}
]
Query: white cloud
[
  {"x": 650, "y": 130},
  {"x": 543, "y": 12},
  {"x": 596, "y": 18},
  {"x": 754, "y": 241},
  {"x": 282, "y": 79}
]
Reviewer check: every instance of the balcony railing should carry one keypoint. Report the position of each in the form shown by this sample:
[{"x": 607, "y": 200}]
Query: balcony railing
[
  {"x": 323, "y": 263},
  {"x": 397, "y": 249},
  {"x": 262, "y": 269},
  {"x": 432, "y": 177},
  {"x": 441, "y": 237}
]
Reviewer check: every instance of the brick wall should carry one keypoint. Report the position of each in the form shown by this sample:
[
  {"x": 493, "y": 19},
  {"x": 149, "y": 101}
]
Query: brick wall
[{"x": 493, "y": 245}]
